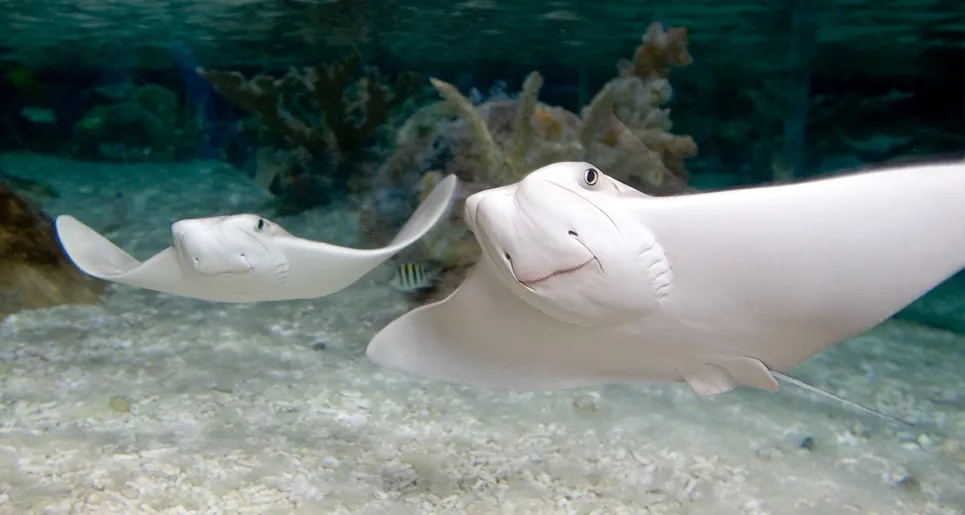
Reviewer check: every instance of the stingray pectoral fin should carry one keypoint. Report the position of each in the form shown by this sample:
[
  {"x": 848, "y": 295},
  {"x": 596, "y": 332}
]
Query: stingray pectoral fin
[
  {"x": 427, "y": 215},
  {"x": 317, "y": 269},
  {"x": 91, "y": 252},
  {"x": 747, "y": 371},
  {"x": 794, "y": 269},
  {"x": 706, "y": 379},
  {"x": 96, "y": 256},
  {"x": 712, "y": 375},
  {"x": 485, "y": 336}
]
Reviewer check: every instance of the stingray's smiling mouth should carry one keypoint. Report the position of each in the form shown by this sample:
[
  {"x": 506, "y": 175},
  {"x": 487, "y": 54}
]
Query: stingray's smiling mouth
[
  {"x": 531, "y": 282},
  {"x": 235, "y": 267},
  {"x": 215, "y": 254},
  {"x": 209, "y": 266}
]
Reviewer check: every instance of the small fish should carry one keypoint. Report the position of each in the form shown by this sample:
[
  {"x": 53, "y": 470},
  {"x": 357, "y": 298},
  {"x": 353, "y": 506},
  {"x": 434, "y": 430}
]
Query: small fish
[{"x": 414, "y": 277}]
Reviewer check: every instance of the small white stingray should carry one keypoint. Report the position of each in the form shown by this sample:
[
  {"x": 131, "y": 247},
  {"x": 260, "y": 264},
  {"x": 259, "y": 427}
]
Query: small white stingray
[
  {"x": 585, "y": 281},
  {"x": 244, "y": 258}
]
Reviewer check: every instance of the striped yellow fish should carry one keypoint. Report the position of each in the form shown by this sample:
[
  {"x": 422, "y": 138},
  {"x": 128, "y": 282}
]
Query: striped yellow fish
[{"x": 414, "y": 277}]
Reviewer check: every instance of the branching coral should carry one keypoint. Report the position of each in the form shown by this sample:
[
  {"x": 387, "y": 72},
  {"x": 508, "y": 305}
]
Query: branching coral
[
  {"x": 509, "y": 161},
  {"x": 262, "y": 96},
  {"x": 344, "y": 104},
  {"x": 328, "y": 86},
  {"x": 373, "y": 99},
  {"x": 638, "y": 93},
  {"x": 660, "y": 50}
]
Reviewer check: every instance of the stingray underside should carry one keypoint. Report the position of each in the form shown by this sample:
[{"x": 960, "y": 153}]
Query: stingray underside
[{"x": 484, "y": 335}]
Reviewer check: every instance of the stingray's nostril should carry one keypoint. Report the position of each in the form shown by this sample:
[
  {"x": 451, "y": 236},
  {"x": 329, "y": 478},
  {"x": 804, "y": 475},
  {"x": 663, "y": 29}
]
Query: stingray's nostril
[
  {"x": 573, "y": 234},
  {"x": 196, "y": 260},
  {"x": 506, "y": 255}
]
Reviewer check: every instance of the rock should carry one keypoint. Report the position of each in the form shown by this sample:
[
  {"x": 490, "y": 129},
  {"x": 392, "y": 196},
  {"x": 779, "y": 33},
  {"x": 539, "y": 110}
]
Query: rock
[{"x": 34, "y": 270}]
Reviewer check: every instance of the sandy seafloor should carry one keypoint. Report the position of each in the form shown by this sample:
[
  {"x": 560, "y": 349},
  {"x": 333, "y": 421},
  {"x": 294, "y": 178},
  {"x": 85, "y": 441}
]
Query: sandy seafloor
[{"x": 272, "y": 408}]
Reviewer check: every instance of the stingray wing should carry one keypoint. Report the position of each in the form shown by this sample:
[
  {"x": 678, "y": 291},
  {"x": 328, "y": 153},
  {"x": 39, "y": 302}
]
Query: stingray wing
[
  {"x": 484, "y": 335},
  {"x": 97, "y": 256},
  {"x": 318, "y": 269},
  {"x": 779, "y": 273}
]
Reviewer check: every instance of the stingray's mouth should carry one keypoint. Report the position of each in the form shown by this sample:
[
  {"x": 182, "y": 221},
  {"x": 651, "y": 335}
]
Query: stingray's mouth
[
  {"x": 562, "y": 271},
  {"x": 227, "y": 269},
  {"x": 529, "y": 282}
]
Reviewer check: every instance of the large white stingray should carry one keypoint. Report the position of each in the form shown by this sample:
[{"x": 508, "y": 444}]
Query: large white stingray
[
  {"x": 244, "y": 258},
  {"x": 586, "y": 281}
]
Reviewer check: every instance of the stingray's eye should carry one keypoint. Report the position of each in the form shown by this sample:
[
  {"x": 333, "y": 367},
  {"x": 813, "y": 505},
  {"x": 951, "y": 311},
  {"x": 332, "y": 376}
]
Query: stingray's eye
[
  {"x": 261, "y": 224},
  {"x": 591, "y": 176}
]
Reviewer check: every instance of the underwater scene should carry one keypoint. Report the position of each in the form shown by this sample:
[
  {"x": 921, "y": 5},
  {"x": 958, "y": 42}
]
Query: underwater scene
[{"x": 482, "y": 257}]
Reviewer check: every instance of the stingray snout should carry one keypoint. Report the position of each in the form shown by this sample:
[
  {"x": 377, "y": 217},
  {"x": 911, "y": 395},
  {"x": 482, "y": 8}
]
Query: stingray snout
[
  {"x": 203, "y": 250},
  {"x": 483, "y": 201},
  {"x": 470, "y": 209},
  {"x": 533, "y": 247}
]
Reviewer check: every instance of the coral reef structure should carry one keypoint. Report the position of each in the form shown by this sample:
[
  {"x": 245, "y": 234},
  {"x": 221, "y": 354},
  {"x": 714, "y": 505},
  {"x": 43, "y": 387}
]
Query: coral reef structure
[
  {"x": 34, "y": 271},
  {"x": 341, "y": 106}
]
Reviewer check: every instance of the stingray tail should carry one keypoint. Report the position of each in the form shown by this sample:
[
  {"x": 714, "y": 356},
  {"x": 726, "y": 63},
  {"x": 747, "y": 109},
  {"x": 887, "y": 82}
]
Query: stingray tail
[{"x": 850, "y": 404}]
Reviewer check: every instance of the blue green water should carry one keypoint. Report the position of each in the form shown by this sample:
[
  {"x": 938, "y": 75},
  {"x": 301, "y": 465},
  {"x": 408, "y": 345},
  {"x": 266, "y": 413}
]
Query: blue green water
[{"x": 321, "y": 117}]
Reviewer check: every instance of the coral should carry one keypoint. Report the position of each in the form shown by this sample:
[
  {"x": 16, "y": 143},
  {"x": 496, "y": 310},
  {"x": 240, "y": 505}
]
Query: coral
[
  {"x": 34, "y": 271},
  {"x": 659, "y": 51},
  {"x": 638, "y": 92},
  {"x": 342, "y": 105},
  {"x": 639, "y": 131},
  {"x": 374, "y": 100},
  {"x": 262, "y": 96}
]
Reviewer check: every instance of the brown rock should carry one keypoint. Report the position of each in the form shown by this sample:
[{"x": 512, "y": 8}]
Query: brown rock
[{"x": 34, "y": 270}]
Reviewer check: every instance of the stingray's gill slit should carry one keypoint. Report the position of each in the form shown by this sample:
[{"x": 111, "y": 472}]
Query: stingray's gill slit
[{"x": 659, "y": 271}]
